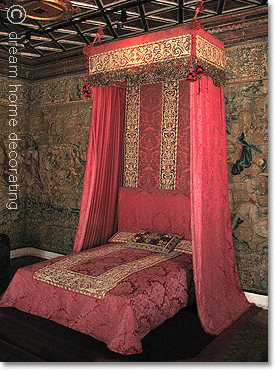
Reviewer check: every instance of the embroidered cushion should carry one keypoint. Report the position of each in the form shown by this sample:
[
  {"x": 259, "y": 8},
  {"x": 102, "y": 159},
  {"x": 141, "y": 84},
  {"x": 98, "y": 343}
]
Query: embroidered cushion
[
  {"x": 121, "y": 237},
  {"x": 184, "y": 246},
  {"x": 154, "y": 241}
]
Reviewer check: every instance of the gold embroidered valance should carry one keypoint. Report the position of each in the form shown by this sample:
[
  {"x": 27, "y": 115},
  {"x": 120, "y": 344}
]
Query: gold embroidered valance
[{"x": 156, "y": 57}]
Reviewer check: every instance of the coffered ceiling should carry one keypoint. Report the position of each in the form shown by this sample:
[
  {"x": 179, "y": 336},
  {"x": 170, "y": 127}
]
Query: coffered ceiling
[{"x": 43, "y": 41}]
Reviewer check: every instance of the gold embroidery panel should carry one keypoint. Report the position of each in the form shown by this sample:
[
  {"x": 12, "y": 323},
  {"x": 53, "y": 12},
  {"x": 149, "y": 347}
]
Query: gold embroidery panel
[
  {"x": 210, "y": 53},
  {"x": 169, "y": 132},
  {"x": 130, "y": 177},
  {"x": 154, "y": 52},
  {"x": 184, "y": 246},
  {"x": 58, "y": 274}
]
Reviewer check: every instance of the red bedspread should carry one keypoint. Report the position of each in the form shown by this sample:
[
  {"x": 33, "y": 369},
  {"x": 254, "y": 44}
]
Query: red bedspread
[{"x": 121, "y": 310}]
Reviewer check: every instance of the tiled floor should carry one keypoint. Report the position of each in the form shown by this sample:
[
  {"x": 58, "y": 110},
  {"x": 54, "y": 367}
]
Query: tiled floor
[{"x": 250, "y": 344}]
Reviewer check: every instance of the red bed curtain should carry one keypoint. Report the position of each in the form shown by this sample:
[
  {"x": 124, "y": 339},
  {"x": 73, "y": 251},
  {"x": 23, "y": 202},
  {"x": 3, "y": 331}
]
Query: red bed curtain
[
  {"x": 104, "y": 169},
  {"x": 220, "y": 298}
]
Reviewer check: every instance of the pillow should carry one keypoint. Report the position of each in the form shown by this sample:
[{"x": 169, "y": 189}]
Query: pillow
[
  {"x": 154, "y": 241},
  {"x": 121, "y": 237},
  {"x": 184, "y": 246}
]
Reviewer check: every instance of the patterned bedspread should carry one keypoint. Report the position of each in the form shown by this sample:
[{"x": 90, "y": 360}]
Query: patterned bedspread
[
  {"x": 62, "y": 274},
  {"x": 115, "y": 294}
]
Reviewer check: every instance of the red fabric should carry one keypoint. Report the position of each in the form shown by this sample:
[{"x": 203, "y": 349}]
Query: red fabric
[
  {"x": 104, "y": 169},
  {"x": 155, "y": 210},
  {"x": 220, "y": 298},
  {"x": 138, "y": 304},
  {"x": 150, "y": 135},
  {"x": 154, "y": 36},
  {"x": 183, "y": 139}
]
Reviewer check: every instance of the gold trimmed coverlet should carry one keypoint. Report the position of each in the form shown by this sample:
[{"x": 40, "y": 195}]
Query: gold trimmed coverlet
[
  {"x": 63, "y": 275},
  {"x": 115, "y": 294}
]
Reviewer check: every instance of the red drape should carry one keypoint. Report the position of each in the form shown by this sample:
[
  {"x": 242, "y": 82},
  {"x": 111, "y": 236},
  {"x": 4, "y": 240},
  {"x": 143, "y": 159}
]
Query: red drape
[
  {"x": 150, "y": 118},
  {"x": 104, "y": 169},
  {"x": 220, "y": 299}
]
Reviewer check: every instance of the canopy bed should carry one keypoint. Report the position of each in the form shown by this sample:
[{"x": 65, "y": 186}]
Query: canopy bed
[{"x": 155, "y": 211}]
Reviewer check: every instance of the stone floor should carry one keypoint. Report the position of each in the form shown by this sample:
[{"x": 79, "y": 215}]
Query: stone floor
[
  {"x": 250, "y": 344},
  {"x": 15, "y": 264}
]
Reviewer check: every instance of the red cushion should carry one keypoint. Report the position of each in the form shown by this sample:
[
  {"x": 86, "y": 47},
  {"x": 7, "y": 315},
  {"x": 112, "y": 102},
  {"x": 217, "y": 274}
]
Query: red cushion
[{"x": 167, "y": 211}]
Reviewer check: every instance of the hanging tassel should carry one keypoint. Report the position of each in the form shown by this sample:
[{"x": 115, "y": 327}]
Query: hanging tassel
[
  {"x": 86, "y": 88},
  {"x": 191, "y": 77},
  {"x": 199, "y": 70},
  {"x": 87, "y": 51},
  {"x": 195, "y": 24},
  {"x": 86, "y": 91}
]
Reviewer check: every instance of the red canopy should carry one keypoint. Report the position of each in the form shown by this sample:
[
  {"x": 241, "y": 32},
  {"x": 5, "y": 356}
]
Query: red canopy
[{"x": 169, "y": 55}]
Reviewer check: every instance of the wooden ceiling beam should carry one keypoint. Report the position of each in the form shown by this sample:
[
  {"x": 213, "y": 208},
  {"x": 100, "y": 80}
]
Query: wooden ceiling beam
[
  {"x": 180, "y": 12},
  {"x": 220, "y": 6},
  {"x": 142, "y": 16}
]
